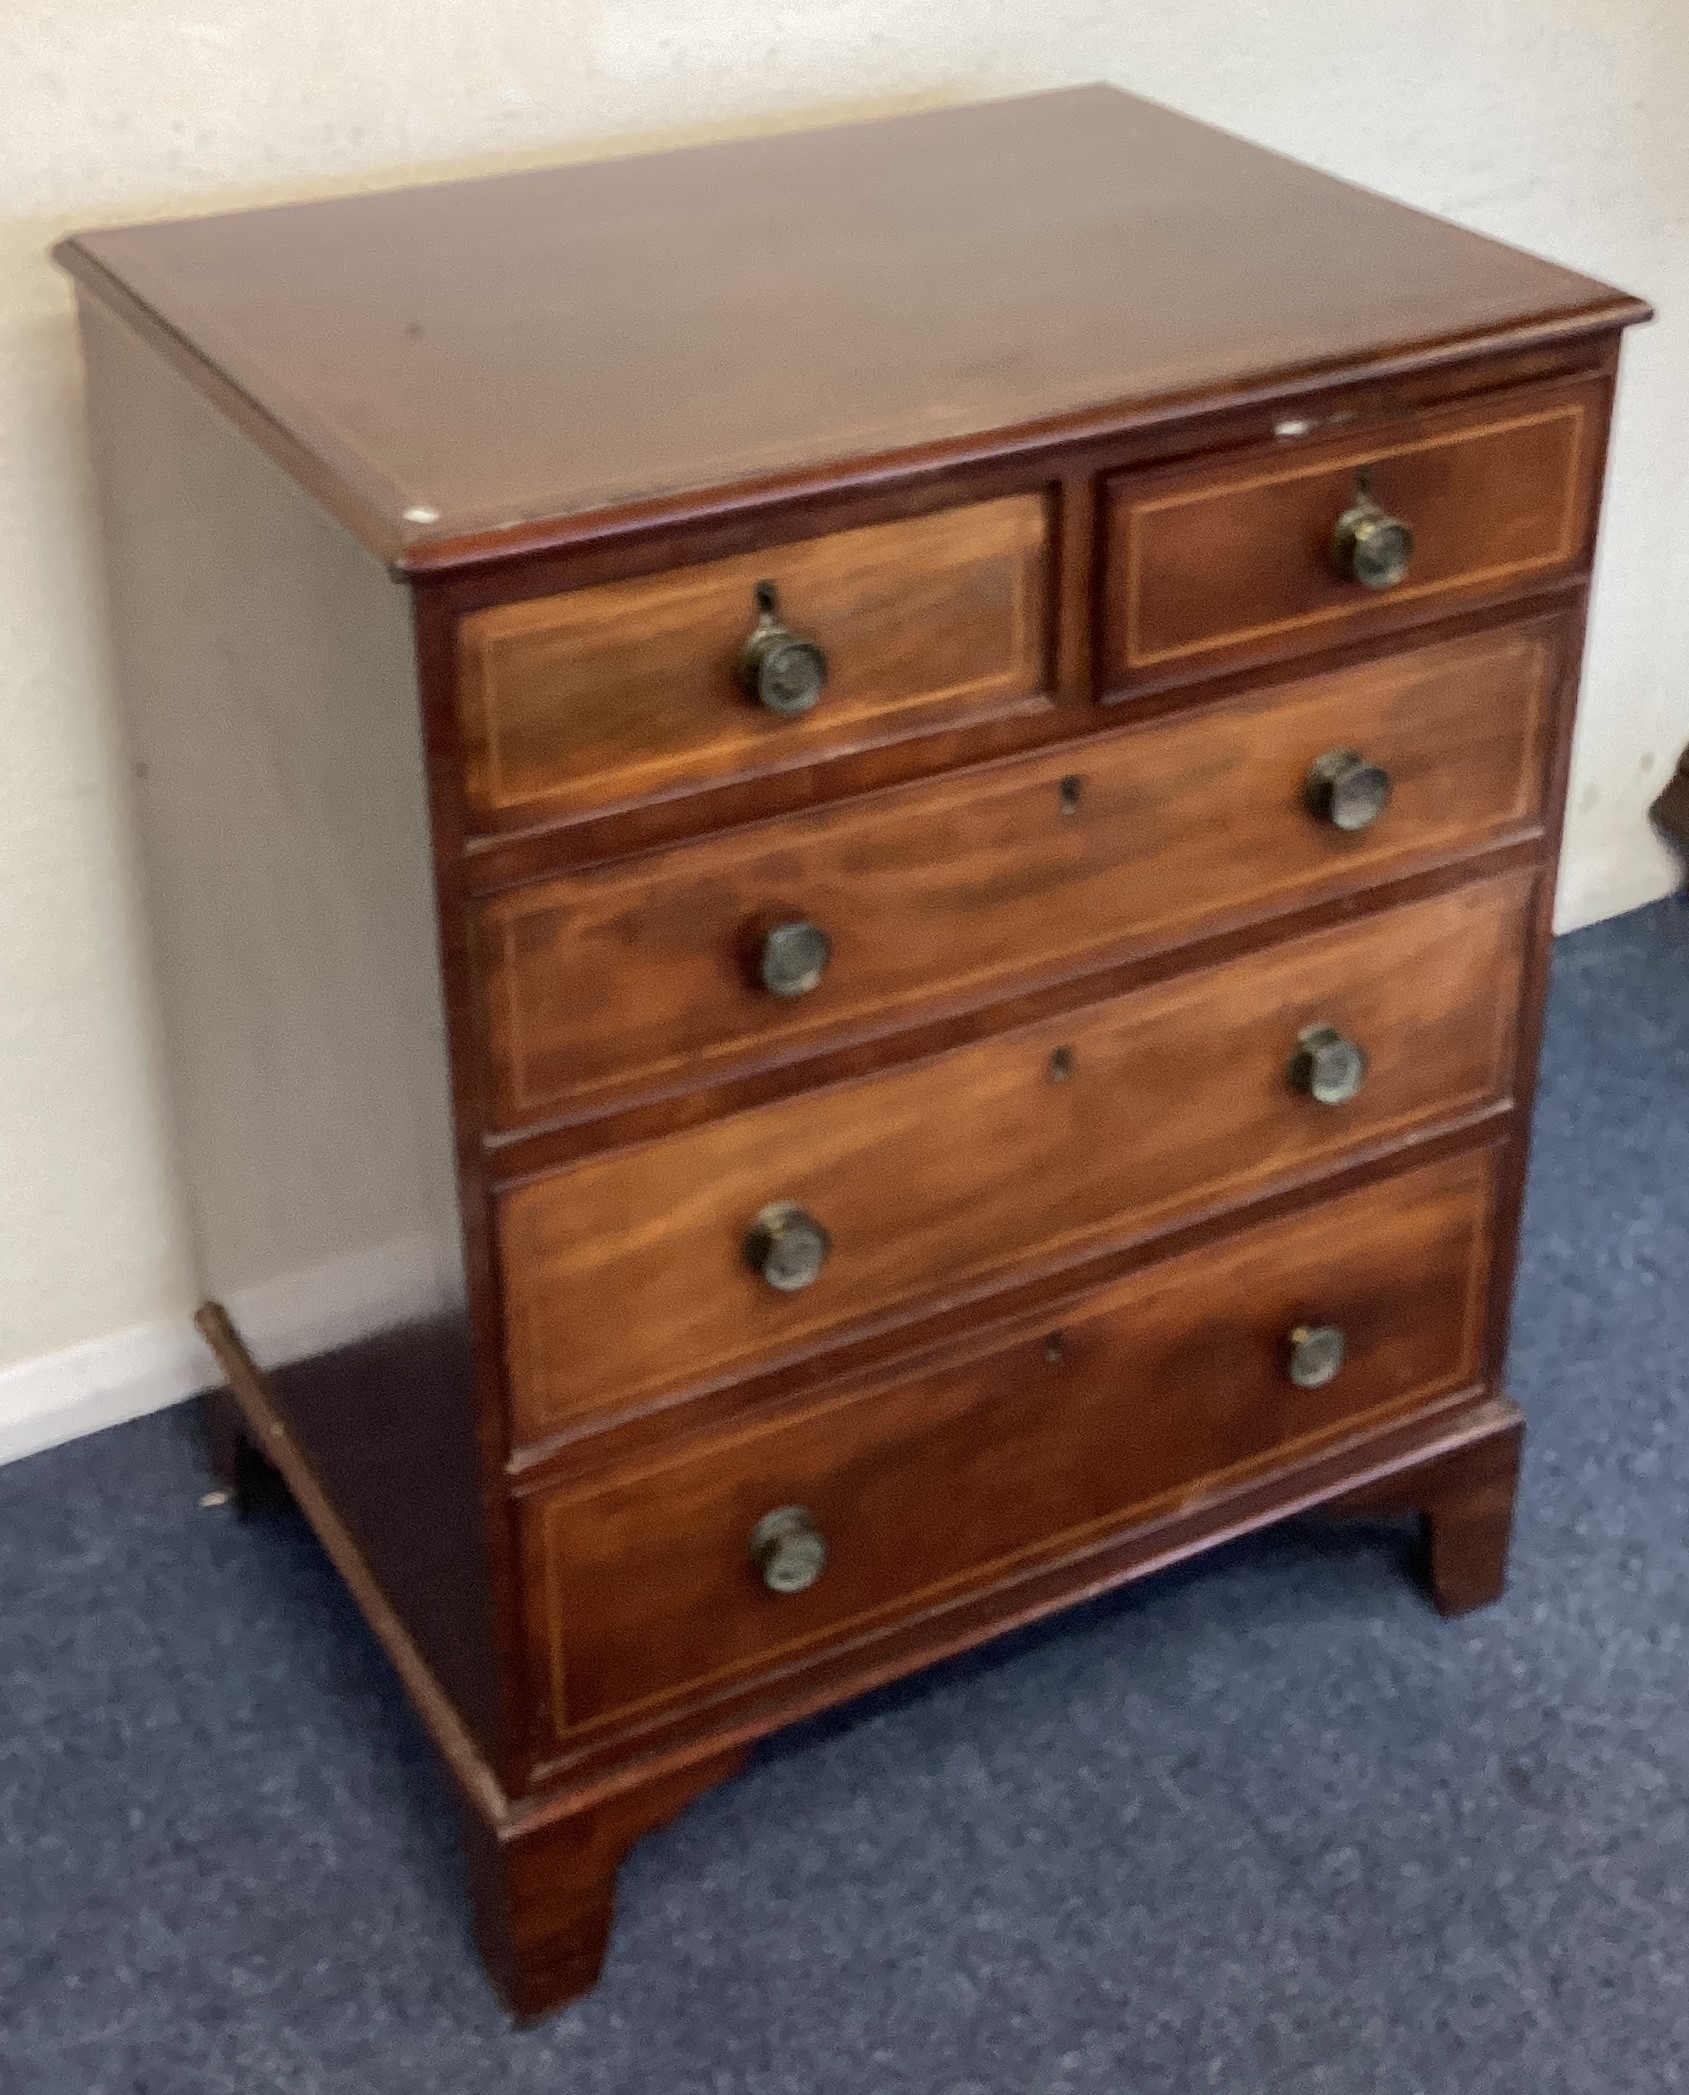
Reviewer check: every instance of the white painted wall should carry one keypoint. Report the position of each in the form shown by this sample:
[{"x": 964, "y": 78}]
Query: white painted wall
[{"x": 1557, "y": 124}]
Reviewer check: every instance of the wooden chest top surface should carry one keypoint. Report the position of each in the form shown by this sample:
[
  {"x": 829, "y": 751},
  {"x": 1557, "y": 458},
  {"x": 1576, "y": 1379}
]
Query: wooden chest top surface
[{"x": 445, "y": 362}]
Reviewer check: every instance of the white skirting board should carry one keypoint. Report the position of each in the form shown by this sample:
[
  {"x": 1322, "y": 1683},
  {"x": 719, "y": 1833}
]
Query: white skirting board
[
  {"x": 58, "y": 1396},
  {"x": 102, "y": 1382}
]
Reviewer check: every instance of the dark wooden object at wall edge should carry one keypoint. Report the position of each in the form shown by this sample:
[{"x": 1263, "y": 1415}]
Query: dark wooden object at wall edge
[{"x": 1671, "y": 810}]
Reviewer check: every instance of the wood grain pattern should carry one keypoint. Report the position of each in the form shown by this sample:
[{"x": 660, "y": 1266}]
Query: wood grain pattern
[
  {"x": 680, "y": 529},
  {"x": 617, "y": 980},
  {"x": 616, "y": 693},
  {"x": 543, "y": 1873},
  {"x": 1451, "y": 1431},
  {"x": 626, "y": 1278},
  {"x": 1209, "y": 567},
  {"x": 1165, "y": 1387},
  {"x": 485, "y": 357}
]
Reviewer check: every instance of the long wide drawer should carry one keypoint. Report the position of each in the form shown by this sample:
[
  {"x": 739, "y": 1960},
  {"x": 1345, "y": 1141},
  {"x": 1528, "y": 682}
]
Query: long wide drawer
[
  {"x": 1210, "y": 566},
  {"x": 632, "y": 689},
  {"x": 663, "y": 1267},
  {"x": 657, "y": 970},
  {"x": 1162, "y": 1388}
]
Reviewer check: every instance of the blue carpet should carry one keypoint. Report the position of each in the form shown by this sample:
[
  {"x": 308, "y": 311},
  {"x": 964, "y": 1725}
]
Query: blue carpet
[{"x": 1265, "y": 1824}]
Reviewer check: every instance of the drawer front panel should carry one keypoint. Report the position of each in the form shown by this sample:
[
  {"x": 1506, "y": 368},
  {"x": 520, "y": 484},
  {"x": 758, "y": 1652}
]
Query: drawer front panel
[
  {"x": 1212, "y": 567},
  {"x": 607, "y": 982},
  {"x": 1156, "y": 1390},
  {"x": 628, "y": 1276},
  {"x": 630, "y": 690}
]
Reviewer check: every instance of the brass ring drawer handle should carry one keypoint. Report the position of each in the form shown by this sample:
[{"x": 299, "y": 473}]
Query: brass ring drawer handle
[
  {"x": 788, "y": 1549},
  {"x": 1316, "y": 1355},
  {"x": 1328, "y": 1068},
  {"x": 777, "y": 669},
  {"x": 787, "y": 1246},
  {"x": 1368, "y": 545},
  {"x": 1346, "y": 791},
  {"x": 793, "y": 957}
]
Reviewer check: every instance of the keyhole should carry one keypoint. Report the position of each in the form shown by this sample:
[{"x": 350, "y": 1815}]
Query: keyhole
[
  {"x": 768, "y": 599},
  {"x": 1061, "y": 1065},
  {"x": 1068, "y": 794},
  {"x": 1055, "y": 1346}
]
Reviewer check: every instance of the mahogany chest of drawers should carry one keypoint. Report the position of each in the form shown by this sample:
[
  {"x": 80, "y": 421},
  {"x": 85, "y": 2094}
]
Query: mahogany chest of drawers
[{"x": 851, "y": 842}]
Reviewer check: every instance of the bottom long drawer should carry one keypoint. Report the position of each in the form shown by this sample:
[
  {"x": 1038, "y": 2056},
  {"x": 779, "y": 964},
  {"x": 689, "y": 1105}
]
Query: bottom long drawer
[{"x": 738, "y": 1552}]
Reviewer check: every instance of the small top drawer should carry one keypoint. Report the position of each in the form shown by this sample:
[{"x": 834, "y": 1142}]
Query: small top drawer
[
  {"x": 630, "y": 690},
  {"x": 1211, "y": 567}
]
